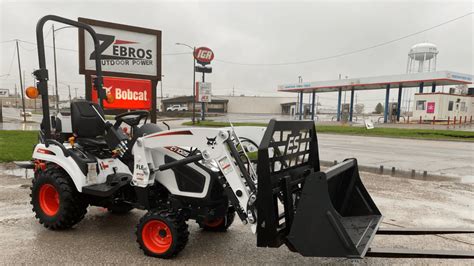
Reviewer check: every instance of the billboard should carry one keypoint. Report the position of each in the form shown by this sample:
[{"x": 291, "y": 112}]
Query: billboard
[
  {"x": 126, "y": 51},
  {"x": 127, "y": 93},
  {"x": 203, "y": 92}
]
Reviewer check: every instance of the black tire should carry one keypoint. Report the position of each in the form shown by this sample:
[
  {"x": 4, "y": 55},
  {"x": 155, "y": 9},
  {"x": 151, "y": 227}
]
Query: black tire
[
  {"x": 220, "y": 224},
  {"x": 162, "y": 234},
  {"x": 67, "y": 208},
  {"x": 120, "y": 208}
]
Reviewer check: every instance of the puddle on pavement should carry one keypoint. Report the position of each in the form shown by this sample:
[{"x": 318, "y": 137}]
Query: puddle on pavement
[
  {"x": 14, "y": 170},
  {"x": 19, "y": 126}
]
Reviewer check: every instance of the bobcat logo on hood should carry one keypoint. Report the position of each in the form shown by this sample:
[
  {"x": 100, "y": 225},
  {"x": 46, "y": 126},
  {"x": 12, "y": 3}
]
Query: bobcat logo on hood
[{"x": 211, "y": 141}]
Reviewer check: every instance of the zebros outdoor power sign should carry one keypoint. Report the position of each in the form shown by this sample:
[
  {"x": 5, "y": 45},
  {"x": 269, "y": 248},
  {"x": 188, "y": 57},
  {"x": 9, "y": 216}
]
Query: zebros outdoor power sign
[
  {"x": 127, "y": 93},
  {"x": 126, "y": 51}
]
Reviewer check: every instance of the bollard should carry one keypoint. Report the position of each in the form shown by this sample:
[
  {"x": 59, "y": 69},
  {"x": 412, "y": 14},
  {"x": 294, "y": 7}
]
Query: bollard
[
  {"x": 465, "y": 119},
  {"x": 454, "y": 120},
  {"x": 420, "y": 120},
  {"x": 408, "y": 120},
  {"x": 470, "y": 120},
  {"x": 393, "y": 171},
  {"x": 381, "y": 169},
  {"x": 413, "y": 173},
  {"x": 335, "y": 162},
  {"x": 425, "y": 174},
  {"x": 434, "y": 119},
  {"x": 448, "y": 120}
]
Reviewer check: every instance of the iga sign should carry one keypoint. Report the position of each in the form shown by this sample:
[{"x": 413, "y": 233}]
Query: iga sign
[
  {"x": 203, "y": 55},
  {"x": 126, "y": 51},
  {"x": 430, "y": 107},
  {"x": 127, "y": 93},
  {"x": 203, "y": 92}
]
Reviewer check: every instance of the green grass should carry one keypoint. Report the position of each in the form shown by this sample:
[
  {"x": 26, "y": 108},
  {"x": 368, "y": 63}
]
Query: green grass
[
  {"x": 17, "y": 145},
  {"x": 431, "y": 134}
]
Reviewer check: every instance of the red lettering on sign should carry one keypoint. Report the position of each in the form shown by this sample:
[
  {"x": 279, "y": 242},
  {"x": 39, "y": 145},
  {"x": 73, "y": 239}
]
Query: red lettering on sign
[{"x": 203, "y": 55}]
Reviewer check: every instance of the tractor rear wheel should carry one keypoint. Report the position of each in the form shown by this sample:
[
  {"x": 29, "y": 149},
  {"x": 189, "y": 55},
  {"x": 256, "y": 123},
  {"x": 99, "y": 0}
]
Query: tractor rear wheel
[
  {"x": 162, "y": 234},
  {"x": 220, "y": 224},
  {"x": 55, "y": 200}
]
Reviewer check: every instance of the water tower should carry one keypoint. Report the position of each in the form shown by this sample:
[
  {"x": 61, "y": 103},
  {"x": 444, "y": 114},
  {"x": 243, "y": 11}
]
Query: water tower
[{"x": 422, "y": 58}]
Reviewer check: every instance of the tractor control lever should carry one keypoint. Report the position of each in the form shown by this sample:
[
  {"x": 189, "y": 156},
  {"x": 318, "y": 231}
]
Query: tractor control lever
[{"x": 115, "y": 139}]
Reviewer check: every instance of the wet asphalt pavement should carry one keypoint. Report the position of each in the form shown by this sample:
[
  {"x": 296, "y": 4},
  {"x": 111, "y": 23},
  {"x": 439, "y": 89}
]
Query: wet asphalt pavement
[{"x": 105, "y": 238}]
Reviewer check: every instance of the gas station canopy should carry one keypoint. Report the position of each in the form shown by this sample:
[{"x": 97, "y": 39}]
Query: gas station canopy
[{"x": 438, "y": 78}]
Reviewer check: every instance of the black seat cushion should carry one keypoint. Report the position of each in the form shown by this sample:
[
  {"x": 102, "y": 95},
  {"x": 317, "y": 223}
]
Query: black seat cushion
[
  {"x": 90, "y": 142},
  {"x": 86, "y": 123}
]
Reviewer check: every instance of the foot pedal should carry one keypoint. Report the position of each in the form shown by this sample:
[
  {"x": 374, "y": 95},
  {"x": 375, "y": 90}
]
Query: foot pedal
[{"x": 114, "y": 182}]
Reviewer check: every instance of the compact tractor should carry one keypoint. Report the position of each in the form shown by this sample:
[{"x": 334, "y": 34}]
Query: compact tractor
[{"x": 270, "y": 178}]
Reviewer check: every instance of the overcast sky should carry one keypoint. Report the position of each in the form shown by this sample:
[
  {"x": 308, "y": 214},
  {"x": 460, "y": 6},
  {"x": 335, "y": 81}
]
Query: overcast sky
[{"x": 252, "y": 32}]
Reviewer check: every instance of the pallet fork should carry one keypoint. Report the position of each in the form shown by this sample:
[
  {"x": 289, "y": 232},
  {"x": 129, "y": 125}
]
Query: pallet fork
[{"x": 321, "y": 213}]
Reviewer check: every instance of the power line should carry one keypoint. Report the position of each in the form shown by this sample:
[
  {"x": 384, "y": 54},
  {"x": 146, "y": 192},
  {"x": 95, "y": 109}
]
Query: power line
[
  {"x": 11, "y": 64},
  {"x": 346, "y": 53},
  {"x": 8, "y": 41}
]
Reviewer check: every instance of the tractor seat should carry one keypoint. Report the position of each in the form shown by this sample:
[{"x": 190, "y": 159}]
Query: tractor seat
[
  {"x": 98, "y": 142},
  {"x": 87, "y": 125}
]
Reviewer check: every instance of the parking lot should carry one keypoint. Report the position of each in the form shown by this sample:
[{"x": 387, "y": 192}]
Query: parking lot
[{"x": 102, "y": 237}]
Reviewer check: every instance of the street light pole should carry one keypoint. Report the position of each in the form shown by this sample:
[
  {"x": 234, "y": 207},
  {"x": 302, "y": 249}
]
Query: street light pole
[
  {"x": 194, "y": 85},
  {"x": 161, "y": 92},
  {"x": 55, "y": 71},
  {"x": 194, "y": 78}
]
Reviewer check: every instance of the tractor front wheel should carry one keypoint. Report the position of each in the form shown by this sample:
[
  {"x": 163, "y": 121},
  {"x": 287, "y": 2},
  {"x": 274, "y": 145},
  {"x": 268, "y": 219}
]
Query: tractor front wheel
[
  {"x": 162, "y": 234},
  {"x": 220, "y": 224},
  {"x": 55, "y": 200}
]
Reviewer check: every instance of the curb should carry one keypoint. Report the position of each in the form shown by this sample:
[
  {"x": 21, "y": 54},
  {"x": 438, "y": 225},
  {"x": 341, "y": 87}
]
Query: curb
[{"x": 394, "y": 172}]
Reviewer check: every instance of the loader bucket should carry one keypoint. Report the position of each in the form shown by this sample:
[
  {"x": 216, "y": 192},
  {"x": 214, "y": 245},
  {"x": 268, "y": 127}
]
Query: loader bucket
[{"x": 316, "y": 213}]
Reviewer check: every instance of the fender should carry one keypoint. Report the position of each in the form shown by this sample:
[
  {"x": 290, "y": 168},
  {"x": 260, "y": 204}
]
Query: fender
[{"x": 54, "y": 154}]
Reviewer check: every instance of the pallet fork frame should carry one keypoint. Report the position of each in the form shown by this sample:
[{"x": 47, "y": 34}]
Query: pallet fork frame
[{"x": 321, "y": 213}]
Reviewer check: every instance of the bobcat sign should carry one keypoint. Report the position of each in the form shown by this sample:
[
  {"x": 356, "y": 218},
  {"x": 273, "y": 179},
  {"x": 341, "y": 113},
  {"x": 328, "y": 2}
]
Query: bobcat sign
[
  {"x": 131, "y": 65},
  {"x": 127, "y": 93}
]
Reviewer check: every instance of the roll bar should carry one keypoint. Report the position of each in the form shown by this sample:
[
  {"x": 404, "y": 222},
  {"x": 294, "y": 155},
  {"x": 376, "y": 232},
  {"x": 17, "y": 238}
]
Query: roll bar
[{"x": 42, "y": 73}]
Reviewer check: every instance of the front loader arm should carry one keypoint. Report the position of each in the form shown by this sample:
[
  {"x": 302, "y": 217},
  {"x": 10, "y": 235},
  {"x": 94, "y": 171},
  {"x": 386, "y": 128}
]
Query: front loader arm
[{"x": 215, "y": 146}]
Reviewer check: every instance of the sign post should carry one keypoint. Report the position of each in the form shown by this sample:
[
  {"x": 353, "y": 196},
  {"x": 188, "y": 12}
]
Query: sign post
[
  {"x": 131, "y": 64},
  {"x": 203, "y": 56}
]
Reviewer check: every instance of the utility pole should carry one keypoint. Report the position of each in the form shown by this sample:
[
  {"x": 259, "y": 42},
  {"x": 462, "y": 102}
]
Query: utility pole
[
  {"x": 55, "y": 71},
  {"x": 16, "y": 97},
  {"x": 69, "y": 89},
  {"x": 21, "y": 81}
]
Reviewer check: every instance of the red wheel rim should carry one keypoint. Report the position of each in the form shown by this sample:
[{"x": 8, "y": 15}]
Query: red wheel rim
[
  {"x": 49, "y": 199},
  {"x": 214, "y": 223},
  {"x": 157, "y": 236}
]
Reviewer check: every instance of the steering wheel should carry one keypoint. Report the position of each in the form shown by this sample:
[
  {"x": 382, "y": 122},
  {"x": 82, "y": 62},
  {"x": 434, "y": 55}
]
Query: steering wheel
[{"x": 132, "y": 118}]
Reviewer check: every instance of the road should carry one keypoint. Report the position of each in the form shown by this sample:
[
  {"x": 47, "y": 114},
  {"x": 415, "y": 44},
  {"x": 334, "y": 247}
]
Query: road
[
  {"x": 447, "y": 158},
  {"x": 105, "y": 238},
  {"x": 437, "y": 157}
]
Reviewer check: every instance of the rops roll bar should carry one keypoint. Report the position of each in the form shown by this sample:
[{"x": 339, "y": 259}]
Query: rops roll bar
[{"x": 42, "y": 73}]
